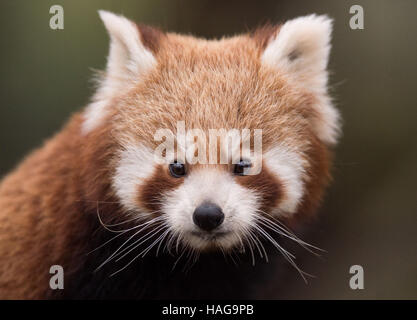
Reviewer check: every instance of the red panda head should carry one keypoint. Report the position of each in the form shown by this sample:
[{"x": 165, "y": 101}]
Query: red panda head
[{"x": 273, "y": 81}]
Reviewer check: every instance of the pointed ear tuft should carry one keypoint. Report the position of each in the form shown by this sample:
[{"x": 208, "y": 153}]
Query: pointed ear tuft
[
  {"x": 131, "y": 55},
  {"x": 128, "y": 57},
  {"x": 300, "y": 50}
]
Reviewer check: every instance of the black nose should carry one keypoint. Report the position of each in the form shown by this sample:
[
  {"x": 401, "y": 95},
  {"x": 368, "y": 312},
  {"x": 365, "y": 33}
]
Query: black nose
[{"x": 208, "y": 216}]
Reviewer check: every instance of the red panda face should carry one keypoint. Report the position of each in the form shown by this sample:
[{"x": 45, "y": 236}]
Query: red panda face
[{"x": 162, "y": 88}]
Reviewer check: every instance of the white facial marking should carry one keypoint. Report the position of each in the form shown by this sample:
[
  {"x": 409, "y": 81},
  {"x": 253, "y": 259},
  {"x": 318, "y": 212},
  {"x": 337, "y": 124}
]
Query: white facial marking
[
  {"x": 136, "y": 164},
  {"x": 127, "y": 62},
  {"x": 238, "y": 204},
  {"x": 288, "y": 166}
]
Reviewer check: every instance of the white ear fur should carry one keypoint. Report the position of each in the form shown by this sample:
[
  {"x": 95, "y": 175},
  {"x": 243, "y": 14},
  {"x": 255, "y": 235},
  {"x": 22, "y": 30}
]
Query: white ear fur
[
  {"x": 301, "y": 51},
  {"x": 128, "y": 59}
]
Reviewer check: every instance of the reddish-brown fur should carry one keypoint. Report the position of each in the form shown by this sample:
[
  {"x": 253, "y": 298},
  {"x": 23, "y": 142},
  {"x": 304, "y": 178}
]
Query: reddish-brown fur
[
  {"x": 150, "y": 37},
  {"x": 263, "y": 34},
  {"x": 43, "y": 206},
  {"x": 150, "y": 194},
  {"x": 47, "y": 203}
]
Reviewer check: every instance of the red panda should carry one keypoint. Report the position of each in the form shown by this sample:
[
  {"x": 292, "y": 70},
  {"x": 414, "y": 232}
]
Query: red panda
[{"x": 95, "y": 200}]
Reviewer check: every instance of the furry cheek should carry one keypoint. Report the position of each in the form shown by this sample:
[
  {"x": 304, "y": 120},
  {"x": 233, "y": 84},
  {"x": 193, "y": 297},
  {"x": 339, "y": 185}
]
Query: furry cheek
[
  {"x": 286, "y": 166},
  {"x": 266, "y": 185},
  {"x": 134, "y": 167},
  {"x": 151, "y": 193}
]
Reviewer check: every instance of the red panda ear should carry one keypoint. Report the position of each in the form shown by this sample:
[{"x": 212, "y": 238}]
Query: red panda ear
[
  {"x": 129, "y": 56},
  {"x": 132, "y": 53},
  {"x": 300, "y": 50}
]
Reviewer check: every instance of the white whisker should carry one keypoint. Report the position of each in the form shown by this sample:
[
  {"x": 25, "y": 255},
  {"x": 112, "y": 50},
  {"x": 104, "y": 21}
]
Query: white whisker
[
  {"x": 138, "y": 242},
  {"x": 145, "y": 225}
]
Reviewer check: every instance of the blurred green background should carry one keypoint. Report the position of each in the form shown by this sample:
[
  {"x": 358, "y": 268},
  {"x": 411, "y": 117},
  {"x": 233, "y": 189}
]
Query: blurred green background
[{"x": 369, "y": 215}]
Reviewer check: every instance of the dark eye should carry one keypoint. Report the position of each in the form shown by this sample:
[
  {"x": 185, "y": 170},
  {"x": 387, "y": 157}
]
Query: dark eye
[
  {"x": 239, "y": 168},
  {"x": 177, "y": 169}
]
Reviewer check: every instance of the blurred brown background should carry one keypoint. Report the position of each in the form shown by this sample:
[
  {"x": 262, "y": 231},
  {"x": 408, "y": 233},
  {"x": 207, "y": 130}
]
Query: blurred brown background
[{"x": 369, "y": 216}]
